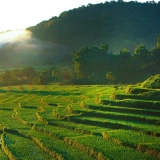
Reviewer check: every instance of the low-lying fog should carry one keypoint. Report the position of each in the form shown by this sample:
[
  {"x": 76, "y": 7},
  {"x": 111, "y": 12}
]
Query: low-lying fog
[{"x": 19, "y": 48}]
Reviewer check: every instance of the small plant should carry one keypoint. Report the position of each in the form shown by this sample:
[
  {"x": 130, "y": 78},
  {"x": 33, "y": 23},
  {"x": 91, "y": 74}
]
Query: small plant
[
  {"x": 69, "y": 109},
  {"x": 97, "y": 99},
  {"x": 116, "y": 87},
  {"x": 19, "y": 104},
  {"x": 83, "y": 104},
  {"x": 152, "y": 82}
]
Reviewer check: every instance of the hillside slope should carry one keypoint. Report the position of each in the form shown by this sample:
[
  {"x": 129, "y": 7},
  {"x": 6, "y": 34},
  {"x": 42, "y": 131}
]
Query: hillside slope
[{"x": 119, "y": 24}]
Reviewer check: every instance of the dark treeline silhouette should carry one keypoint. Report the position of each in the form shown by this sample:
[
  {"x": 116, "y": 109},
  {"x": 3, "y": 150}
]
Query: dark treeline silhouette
[
  {"x": 29, "y": 51},
  {"x": 28, "y": 75},
  {"x": 128, "y": 54},
  {"x": 95, "y": 65},
  {"x": 119, "y": 24}
]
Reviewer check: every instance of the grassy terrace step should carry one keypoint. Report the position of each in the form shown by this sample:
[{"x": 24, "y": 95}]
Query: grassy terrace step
[
  {"x": 101, "y": 123},
  {"x": 20, "y": 97},
  {"x": 71, "y": 139},
  {"x": 113, "y": 124},
  {"x": 140, "y": 96},
  {"x": 58, "y": 134},
  {"x": 148, "y": 94},
  {"x": 55, "y": 122},
  {"x": 47, "y": 118},
  {"x": 71, "y": 115},
  {"x": 57, "y": 131},
  {"x": 141, "y": 142},
  {"x": 7, "y": 98},
  {"x": 27, "y": 113},
  {"x": 120, "y": 109},
  {"x": 79, "y": 128},
  {"x": 118, "y": 116},
  {"x": 21, "y": 147},
  {"x": 7, "y": 120},
  {"x": 59, "y": 146},
  {"x": 111, "y": 150},
  {"x": 139, "y": 104},
  {"x": 3, "y": 155}
]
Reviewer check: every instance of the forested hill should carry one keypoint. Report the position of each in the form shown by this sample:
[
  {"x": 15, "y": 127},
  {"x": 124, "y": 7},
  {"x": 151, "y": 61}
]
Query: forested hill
[{"x": 118, "y": 24}]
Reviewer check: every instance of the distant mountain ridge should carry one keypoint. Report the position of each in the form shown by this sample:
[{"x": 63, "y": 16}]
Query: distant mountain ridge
[{"x": 118, "y": 24}]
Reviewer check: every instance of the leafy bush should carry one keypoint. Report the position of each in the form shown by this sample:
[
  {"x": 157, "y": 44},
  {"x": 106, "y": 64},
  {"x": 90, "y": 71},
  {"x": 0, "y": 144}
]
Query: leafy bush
[
  {"x": 152, "y": 95},
  {"x": 152, "y": 82},
  {"x": 135, "y": 90}
]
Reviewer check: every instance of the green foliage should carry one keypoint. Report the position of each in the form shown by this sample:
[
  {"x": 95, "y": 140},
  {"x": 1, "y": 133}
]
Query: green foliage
[
  {"x": 77, "y": 122},
  {"x": 130, "y": 138},
  {"x": 135, "y": 90},
  {"x": 156, "y": 52},
  {"x": 110, "y": 76},
  {"x": 152, "y": 82},
  {"x": 151, "y": 95},
  {"x": 92, "y": 64},
  {"x": 141, "y": 51},
  {"x": 104, "y": 47},
  {"x": 125, "y": 53},
  {"x": 26, "y": 75},
  {"x": 86, "y": 62},
  {"x": 158, "y": 41},
  {"x": 13, "y": 140},
  {"x": 116, "y": 23}
]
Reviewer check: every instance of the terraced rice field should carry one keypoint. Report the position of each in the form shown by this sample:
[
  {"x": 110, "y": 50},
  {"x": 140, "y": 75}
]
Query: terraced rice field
[{"x": 77, "y": 123}]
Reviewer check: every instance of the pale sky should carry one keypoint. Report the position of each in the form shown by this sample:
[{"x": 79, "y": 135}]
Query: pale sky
[{"x": 19, "y": 14}]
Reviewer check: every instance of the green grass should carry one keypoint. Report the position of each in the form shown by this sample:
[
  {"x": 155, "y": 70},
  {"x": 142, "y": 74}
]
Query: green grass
[
  {"x": 60, "y": 147},
  {"x": 3, "y": 156},
  {"x": 24, "y": 148},
  {"x": 110, "y": 150},
  {"x": 80, "y": 122},
  {"x": 134, "y": 139}
]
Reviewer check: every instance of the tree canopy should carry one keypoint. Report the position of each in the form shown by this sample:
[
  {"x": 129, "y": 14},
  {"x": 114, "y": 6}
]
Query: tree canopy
[{"x": 119, "y": 24}]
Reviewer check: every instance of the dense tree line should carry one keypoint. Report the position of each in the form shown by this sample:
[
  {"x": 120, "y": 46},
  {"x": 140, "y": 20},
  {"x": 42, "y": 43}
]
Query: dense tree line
[
  {"x": 118, "y": 24},
  {"x": 95, "y": 65},
  {"x": 28, "y": 75}
]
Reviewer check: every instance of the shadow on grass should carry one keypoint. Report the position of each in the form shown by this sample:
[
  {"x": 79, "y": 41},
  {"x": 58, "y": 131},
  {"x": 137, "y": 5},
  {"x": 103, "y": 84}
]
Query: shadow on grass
[
  {"x": 62, "y": 93},
  {"x": 29, "y": 107},
  {"x": 111, "y": 116},
  {"x": 124, "y": 110},
  {"x": 134, "y": 104},
  {"x": 111, "y": 125},
  {"x": 52, "y": 104},
  {"x": 6, "y": 109},
  {"x": 14, "y": 132}
]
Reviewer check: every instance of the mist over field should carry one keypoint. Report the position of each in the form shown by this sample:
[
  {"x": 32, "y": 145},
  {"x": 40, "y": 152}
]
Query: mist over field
[{"x": 19, "y": 48}]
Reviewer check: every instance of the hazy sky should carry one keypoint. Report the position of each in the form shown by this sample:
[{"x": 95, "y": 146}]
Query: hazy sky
[{"x": 17, "y": 14}]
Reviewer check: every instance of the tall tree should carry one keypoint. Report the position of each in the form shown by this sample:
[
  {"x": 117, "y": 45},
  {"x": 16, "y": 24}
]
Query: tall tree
[
  {"x": 104, "y": 47},
  {"x": 158, "y": 41},
  {"x": 141, "y": 51},
  {"x": 110, "y": 77},
  {"x": 125, "y": 53}
]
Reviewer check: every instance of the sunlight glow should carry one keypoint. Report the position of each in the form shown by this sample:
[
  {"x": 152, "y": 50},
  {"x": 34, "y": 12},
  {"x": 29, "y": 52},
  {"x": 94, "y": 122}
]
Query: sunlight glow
[
  {"x": 18, "y": 14},
  {"x": 12, "y": 36}
]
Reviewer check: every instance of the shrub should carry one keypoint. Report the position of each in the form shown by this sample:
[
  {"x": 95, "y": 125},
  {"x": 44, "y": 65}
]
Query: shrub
[
  {"x": 135, "y": 90},
  {"x": 152, "y": 82}
]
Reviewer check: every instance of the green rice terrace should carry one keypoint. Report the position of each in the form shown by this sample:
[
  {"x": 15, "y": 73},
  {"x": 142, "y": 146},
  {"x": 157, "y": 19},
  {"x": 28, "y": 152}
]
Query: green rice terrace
[{"x": 85, "y": 122}]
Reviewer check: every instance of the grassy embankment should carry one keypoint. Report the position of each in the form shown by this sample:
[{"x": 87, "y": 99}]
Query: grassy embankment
[{"x": 79, "y": 122}]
